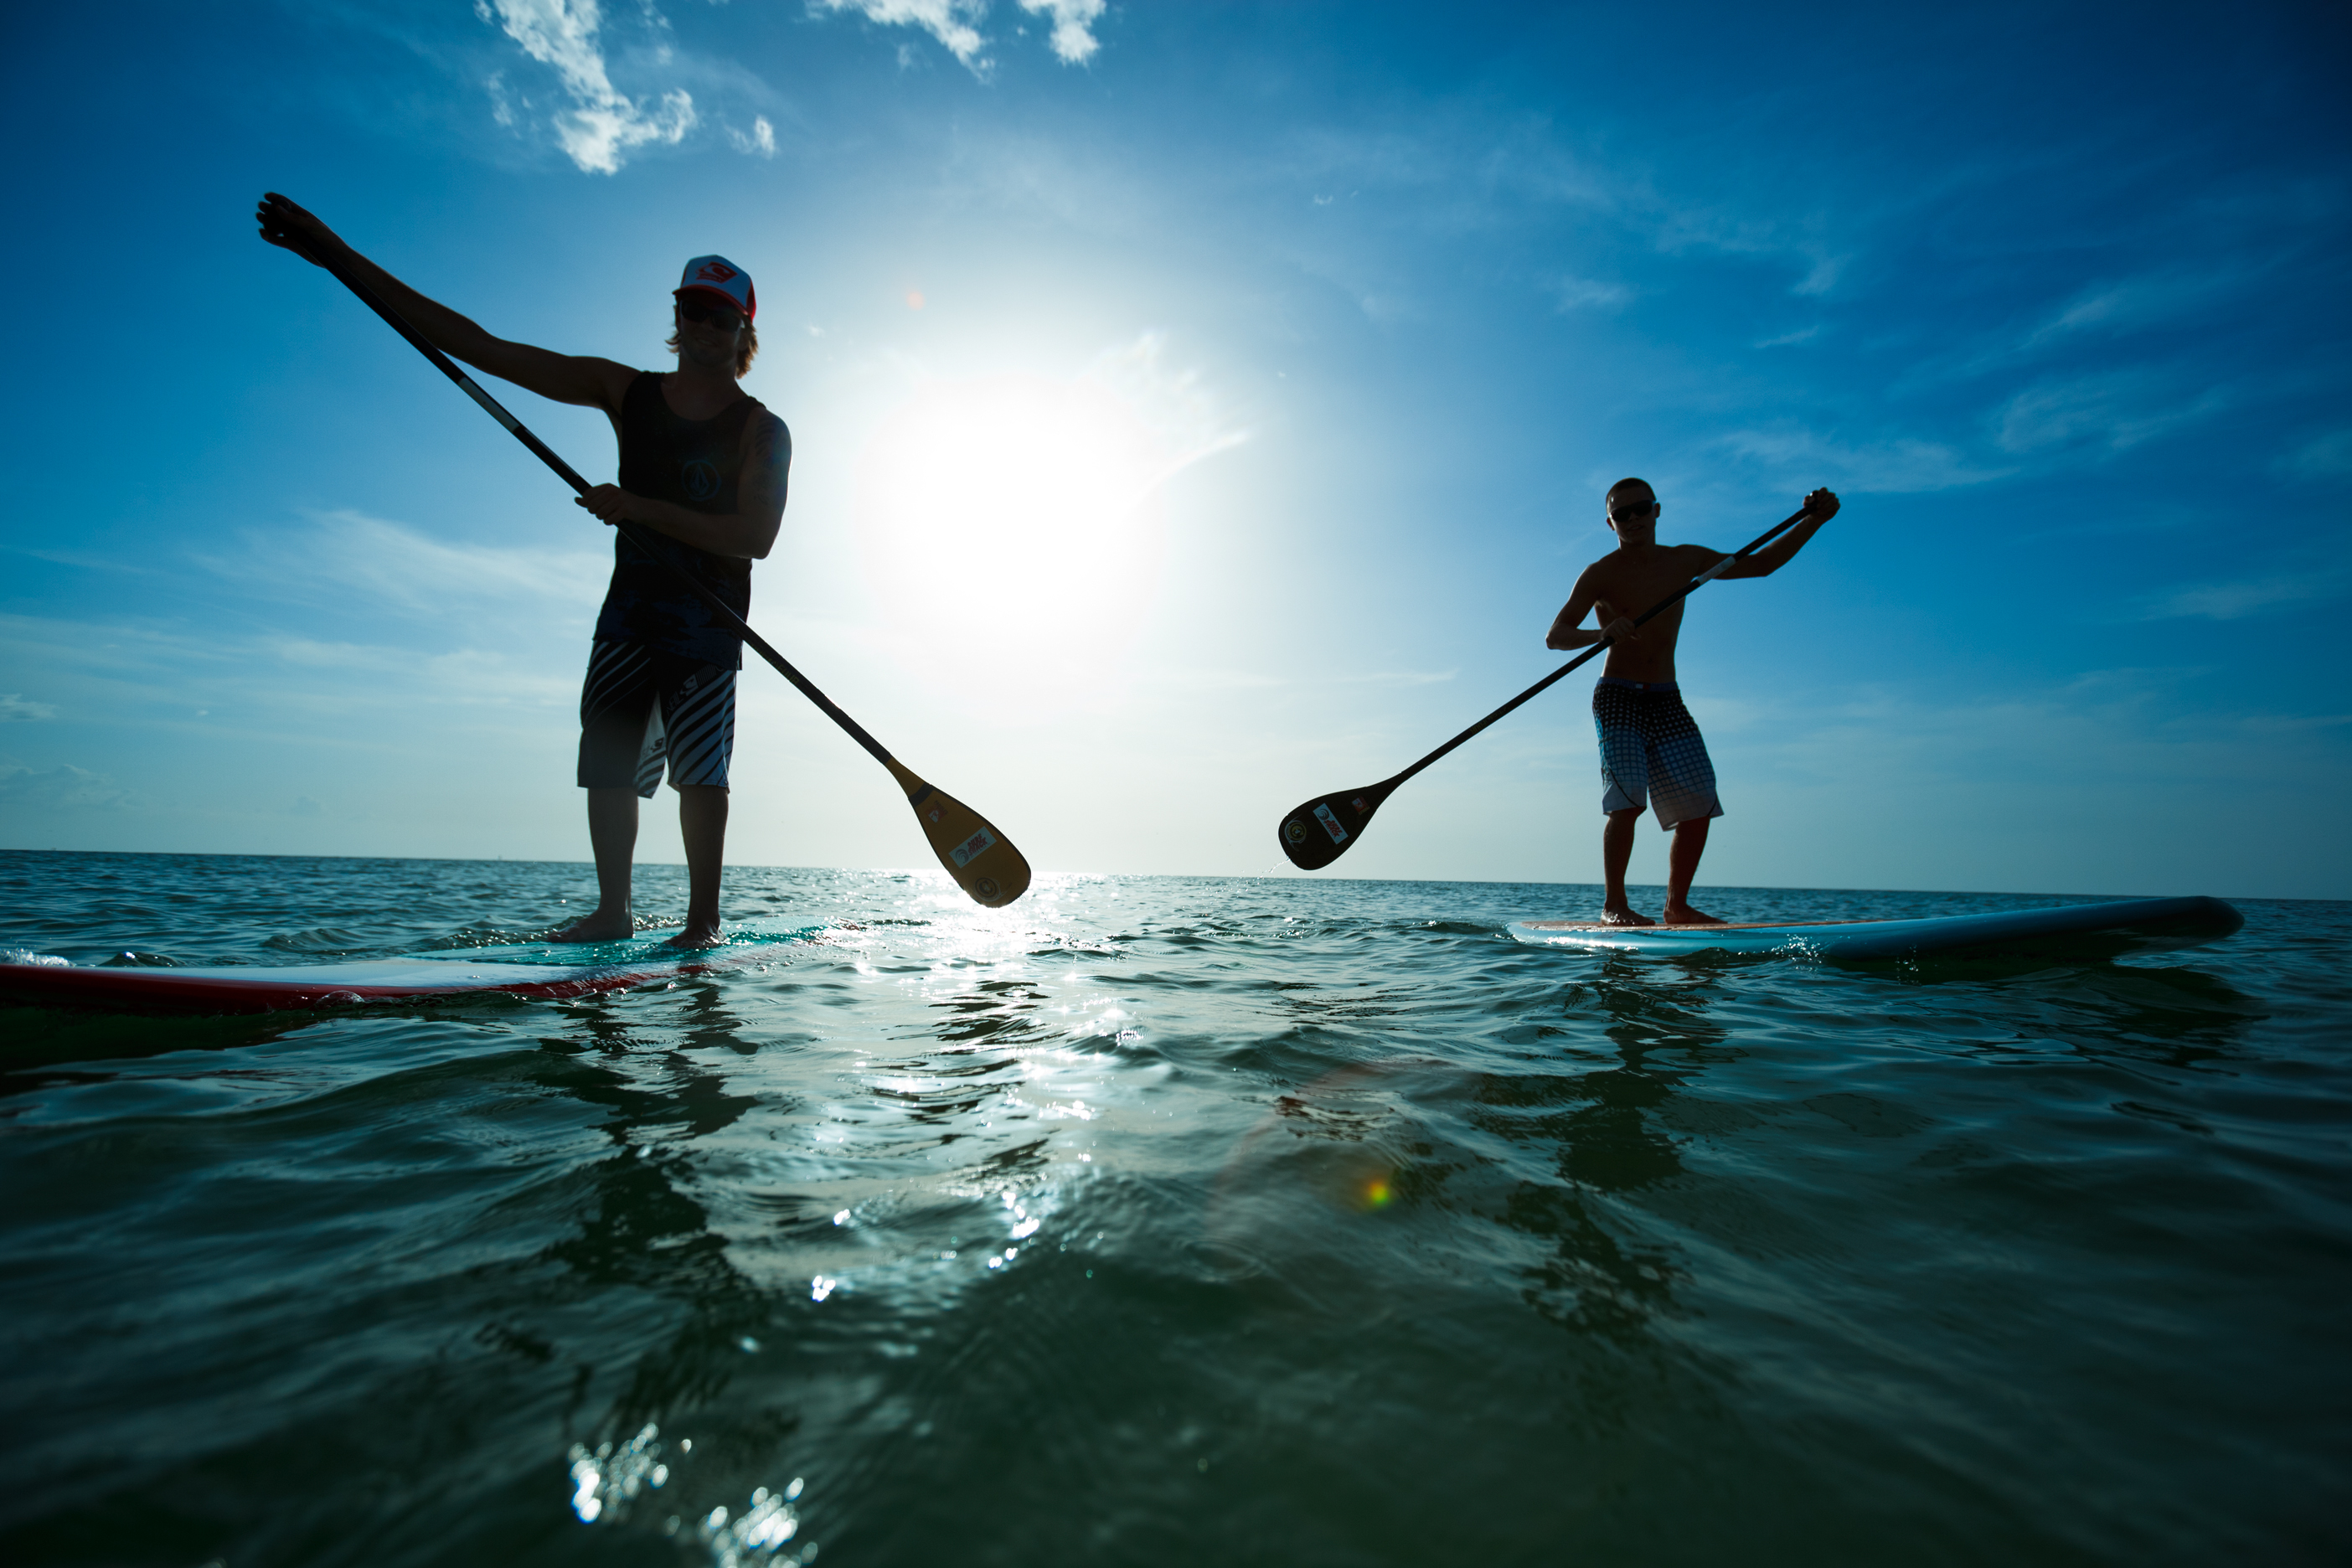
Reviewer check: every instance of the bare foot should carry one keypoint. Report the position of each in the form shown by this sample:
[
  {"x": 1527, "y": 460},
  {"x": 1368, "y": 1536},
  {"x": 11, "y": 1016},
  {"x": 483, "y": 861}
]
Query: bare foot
[
  {"x": 1683, "y": 915},
  {"x": 597, "y": 927},
  {"x": 699, "y": 936},
  {"x": 1619, "y": 915}
]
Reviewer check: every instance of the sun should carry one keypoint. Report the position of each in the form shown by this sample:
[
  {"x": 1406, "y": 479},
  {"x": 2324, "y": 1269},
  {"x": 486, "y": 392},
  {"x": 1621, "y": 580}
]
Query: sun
[{"x": 1001, "y": 517}]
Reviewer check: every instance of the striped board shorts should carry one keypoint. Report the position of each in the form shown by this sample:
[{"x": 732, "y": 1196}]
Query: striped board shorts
[
  {"x": 1650, "y": 751},
  {"x": 642, "y": 710}
]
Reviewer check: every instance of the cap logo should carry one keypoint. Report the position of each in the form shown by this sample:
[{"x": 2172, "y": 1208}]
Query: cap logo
[{"x": 715, "y": 272}]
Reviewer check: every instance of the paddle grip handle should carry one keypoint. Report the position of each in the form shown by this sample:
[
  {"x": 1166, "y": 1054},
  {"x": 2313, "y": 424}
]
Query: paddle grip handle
[{"x": 570, "y": 476}]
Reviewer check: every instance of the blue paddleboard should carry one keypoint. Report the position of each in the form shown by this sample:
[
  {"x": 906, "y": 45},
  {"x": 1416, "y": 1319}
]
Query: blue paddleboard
[{"x": 2122, "y": 925}]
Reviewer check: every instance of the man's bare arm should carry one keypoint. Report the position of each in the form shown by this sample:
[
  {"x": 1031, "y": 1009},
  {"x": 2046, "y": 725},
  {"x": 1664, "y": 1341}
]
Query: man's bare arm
[
  {"x": 1822, "y": 504},
  {"x": 749, "y": 532},
  {"x": 1566, "y": 632},
  {"x": 565, "y": 378}
]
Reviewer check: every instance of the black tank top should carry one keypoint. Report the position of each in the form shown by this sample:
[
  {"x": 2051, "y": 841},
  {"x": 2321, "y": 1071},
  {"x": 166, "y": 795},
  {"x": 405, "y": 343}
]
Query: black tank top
[{"x": 697, "y": 464}]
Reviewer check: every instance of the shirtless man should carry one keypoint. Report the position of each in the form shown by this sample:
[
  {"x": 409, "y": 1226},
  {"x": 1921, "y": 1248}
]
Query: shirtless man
[
  {"x": 1648, "y": 744},
  {"x": 703, "y": 466}
]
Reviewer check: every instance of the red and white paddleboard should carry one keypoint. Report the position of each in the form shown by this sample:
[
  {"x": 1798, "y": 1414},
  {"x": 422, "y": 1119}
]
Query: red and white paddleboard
[{"x": 248, "y": 988}]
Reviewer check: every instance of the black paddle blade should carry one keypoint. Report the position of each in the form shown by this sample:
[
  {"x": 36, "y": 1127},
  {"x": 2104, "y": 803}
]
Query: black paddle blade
[{"x": 1327, "y": 827}]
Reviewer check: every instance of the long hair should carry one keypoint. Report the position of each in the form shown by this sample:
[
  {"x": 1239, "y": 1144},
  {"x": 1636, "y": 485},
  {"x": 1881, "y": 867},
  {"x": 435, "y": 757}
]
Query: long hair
[{"x": 747, "y": 348}]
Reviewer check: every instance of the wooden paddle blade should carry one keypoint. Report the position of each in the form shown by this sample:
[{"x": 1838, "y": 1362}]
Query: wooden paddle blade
[
  {"x": 1327, "y": 827},
  {"x": 982, "y": 861}
]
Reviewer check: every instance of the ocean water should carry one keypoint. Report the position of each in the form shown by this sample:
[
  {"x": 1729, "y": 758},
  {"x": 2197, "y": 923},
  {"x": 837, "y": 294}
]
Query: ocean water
[{"x": 1175, "y": 1221}]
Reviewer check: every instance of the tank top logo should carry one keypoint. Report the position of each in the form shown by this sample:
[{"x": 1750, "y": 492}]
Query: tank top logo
[{"x": 701, "y": 480}]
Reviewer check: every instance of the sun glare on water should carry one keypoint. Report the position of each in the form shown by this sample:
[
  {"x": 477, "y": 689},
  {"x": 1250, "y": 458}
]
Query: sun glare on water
[{"x": 1009, "y": 521}]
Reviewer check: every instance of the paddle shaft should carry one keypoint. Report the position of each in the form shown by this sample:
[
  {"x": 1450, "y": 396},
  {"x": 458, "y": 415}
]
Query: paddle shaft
[
  {"x": 570, "y": 476},
  {"x": 1661, "y": 607}
]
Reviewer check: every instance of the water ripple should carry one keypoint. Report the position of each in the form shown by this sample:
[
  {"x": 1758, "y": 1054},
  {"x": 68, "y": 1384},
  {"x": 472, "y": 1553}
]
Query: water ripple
[{"x": 1169, "y": 1219}]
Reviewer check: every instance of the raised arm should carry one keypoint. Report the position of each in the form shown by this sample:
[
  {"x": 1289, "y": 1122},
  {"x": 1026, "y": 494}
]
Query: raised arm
[
  {"x": 565, "y": 378},
  {"x": 1822, "y": 504}
]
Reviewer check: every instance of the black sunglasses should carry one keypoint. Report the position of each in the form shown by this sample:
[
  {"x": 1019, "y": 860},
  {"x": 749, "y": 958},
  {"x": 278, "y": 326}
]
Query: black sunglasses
[
  {"x": 711, "y": 311},
  {"x": 1632, "y": 513}
]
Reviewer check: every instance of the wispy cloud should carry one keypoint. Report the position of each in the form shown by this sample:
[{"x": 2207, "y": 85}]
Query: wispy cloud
[
  {"x": 129, "y": 674},
  {"x": 67, "y": 787},
  {"x": 1885, "y": 467},
  {"x": 956, "y": 25},
  {"x": 16, "y": 709},
  {"x": 604, "y": 123},
  {"x": 1574, "y": 293},
  {"x": 1189, "y": 418},
  {"x": 2246, "y": 596},
  {"x": 762, "y": 138},
  {"x": 2328, "y": 455},
  {"x": 2137, "y": 303},
  {"x": 346, "y": 550},
  {"x": 2115, "y": 410}
]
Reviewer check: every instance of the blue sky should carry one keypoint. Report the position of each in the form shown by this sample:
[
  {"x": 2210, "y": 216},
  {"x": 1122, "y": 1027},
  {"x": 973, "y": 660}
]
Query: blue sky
[{"x": 1201, "y": 406}]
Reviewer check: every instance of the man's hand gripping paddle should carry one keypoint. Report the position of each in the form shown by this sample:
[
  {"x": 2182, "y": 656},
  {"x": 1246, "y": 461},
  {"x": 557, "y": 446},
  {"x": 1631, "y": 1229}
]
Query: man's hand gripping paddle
[
  {"x": 1327, "y": 827},
  {"x": 982, "y": 861}
]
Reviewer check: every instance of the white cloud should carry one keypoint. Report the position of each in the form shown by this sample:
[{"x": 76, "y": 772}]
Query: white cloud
[
  {"x": 956, "y": 25},
  {"x": 763, "y": 139},
  {"x": 15, "y": 708},
  {"x": 603, "y": 122},
  {"x": 1073, "y": 39},
  {"x": 948, "y": 21}
]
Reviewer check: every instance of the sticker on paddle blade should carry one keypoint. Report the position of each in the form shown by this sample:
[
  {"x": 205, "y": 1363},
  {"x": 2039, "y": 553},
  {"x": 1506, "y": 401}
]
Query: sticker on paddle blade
[
  {"x": 1330, "y": 821},
  {"x": 985, "y": 886},
  {"x": 971, "y": 848},
  {"x": 1294, "y": 830}
]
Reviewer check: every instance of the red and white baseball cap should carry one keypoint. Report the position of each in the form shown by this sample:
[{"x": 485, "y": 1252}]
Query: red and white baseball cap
[{"x": 717, "y": 275}]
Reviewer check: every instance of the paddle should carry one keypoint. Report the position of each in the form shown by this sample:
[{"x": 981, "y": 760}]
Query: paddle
[
  {"x": 982, "y": 861},
  {"x": 1327, "y": 827}
]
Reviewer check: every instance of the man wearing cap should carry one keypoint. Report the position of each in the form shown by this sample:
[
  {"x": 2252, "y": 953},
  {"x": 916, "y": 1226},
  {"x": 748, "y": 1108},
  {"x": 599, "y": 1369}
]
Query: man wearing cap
[{"x": 703, "y": 467}]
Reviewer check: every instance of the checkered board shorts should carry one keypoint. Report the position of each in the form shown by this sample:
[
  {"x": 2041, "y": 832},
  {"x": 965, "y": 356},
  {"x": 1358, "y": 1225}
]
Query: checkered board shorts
[
  {"x": 641, "y": 709},
  {"x": 1650, "y": 750}
]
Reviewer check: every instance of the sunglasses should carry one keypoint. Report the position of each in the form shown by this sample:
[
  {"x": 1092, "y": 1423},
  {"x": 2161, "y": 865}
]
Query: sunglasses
[
  {"x": 723, "y": 317},
  {"x": 1632, "y": 513}
]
